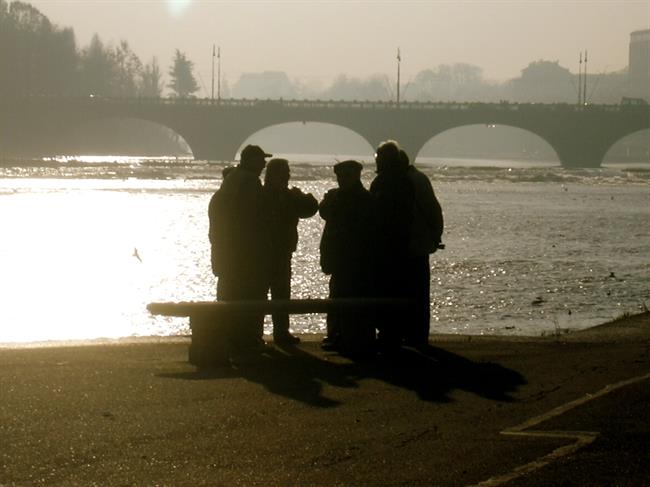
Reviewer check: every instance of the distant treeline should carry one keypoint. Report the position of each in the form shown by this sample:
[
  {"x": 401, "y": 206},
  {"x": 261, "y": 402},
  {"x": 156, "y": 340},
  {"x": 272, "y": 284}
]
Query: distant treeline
[
  {"x": 541, "y": 81},
  {"x": 40, "y": 58}
]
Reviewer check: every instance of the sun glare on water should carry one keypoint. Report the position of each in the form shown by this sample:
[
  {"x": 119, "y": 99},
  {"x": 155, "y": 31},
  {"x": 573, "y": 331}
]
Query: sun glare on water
[
  {"x": 177, "y": 7},
  {"x": 76, "y": 258}
]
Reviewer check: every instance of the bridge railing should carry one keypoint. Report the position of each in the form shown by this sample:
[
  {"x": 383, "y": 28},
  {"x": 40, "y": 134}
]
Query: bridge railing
[
  {"x": 358, "y": 104},
  {"x": 333, "y": 104}
]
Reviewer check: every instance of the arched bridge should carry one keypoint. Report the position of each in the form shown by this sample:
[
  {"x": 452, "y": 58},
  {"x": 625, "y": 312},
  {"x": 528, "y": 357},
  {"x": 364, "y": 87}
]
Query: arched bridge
[{"x": 215, "y": 129}]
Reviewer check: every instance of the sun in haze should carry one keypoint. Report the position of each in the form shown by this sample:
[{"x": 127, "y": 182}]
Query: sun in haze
[{"x": 177, "y": 7}]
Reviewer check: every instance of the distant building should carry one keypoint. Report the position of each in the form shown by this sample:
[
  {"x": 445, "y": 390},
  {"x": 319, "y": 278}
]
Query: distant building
[{"x": 639, "y": 67}]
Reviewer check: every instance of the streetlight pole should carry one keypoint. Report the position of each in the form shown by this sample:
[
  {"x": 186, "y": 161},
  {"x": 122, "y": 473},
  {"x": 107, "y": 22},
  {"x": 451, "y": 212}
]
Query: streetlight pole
[
  {"x": 584, "y": 89},
  {"x": 212, "y": 96},
  {"x": 399, "y": 60},
  {"x": 219, "y": 74},
  {"x": 580, "y": 81}
]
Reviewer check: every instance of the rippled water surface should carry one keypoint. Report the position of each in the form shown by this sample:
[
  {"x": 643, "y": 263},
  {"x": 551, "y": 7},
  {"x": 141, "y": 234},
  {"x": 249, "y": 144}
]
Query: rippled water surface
[{"x": 529, "y": 250}]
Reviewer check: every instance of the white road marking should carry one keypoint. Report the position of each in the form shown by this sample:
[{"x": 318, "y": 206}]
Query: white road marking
[{"x": 581, "y": 438}]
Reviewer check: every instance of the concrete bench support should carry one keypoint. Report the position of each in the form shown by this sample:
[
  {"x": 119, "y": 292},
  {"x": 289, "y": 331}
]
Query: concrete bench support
[{"x": 209, "y": 320}]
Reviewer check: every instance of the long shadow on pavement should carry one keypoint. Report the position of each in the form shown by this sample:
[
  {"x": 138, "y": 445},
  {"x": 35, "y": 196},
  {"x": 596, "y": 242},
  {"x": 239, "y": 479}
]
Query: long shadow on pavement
[{"x": 299, "y": 375}]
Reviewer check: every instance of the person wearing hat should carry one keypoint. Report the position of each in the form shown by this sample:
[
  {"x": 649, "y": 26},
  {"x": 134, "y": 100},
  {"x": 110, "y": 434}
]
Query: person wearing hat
[
  {"x": 346, "y": 255},
  {"x": 284, "y": 208},
  {"x": 239, "y": 240}
]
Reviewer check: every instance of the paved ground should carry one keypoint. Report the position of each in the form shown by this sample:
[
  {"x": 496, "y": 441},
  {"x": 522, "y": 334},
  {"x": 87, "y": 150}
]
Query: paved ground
[{"x": 138, "y": 414}]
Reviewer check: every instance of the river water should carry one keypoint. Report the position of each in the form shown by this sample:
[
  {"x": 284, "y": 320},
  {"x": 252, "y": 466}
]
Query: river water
[{"x": 531, "y": 248}]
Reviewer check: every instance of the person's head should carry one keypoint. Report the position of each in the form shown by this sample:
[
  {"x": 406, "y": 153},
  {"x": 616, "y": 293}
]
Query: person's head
[
  {"x": 253, "y": 159},
  {"x": 348, "y": 174},
  {"x": 387, "y": 156},
  {"x": 277, "y": 174}
]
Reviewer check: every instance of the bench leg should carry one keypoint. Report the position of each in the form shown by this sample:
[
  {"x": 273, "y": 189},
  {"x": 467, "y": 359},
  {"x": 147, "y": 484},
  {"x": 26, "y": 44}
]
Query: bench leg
[
  {"x": 357, "y": 334},
  {"x": 210, "y": 345}
]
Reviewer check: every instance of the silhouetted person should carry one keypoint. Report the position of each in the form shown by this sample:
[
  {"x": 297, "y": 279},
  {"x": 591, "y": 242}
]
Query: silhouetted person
[
  {"x": 394, "y": 197},
  {"x": 284, "y": 208},
  {"x": 239, "y": 237},
  {"x": 426, "y": 235},
  {"x": 346, "y": 253}
]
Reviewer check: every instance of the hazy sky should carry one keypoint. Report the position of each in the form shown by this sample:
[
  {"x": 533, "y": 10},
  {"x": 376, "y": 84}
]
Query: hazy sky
[{"x": 314, "y": 41}]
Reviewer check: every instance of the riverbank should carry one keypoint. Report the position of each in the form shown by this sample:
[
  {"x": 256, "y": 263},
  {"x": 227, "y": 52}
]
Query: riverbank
[{"x": 136, "y": 413}]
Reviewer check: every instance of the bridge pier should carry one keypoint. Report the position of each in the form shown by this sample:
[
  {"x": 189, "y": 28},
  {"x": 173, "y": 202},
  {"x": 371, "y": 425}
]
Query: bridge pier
[
  {"x": 581, "y": 157},
  {"x": 216, "y": 147},
  {"x": 581, "y": 148},
  {"x": 216, "y": 140}
]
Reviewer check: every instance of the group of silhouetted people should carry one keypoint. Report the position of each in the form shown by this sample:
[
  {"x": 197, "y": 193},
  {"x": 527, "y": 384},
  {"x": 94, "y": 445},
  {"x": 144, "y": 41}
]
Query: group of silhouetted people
[{"x": 375, "y": 244}]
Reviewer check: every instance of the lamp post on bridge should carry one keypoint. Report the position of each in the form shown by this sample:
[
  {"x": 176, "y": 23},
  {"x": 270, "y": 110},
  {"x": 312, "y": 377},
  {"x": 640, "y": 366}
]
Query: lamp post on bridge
[
  {"x": 216, "y": 52},
  {"x": 582, "y": 81},
  {"x": 212, "y": 93},
  {"x": 584, "y": 89},
  {"x": 399, "y": 61}
]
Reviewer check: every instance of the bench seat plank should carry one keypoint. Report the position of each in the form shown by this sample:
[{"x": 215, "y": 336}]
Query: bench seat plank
[{"x": 291, "y": 306}]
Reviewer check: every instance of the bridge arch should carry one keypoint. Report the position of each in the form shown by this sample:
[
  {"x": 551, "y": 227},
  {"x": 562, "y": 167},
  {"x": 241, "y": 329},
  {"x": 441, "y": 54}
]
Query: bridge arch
[
  {"x": 131, "y": 136},
  {"x": 632, "y": 147},
  {"x": 580, "y": 135},
  {"x": 329, "y": 141},
  {"x": 489, "y": 141}
]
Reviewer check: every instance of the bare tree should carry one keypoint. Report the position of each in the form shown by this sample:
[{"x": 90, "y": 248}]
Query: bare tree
[
  {"x": 128, "y": 71},
  {"x": 151, "y": 82}
]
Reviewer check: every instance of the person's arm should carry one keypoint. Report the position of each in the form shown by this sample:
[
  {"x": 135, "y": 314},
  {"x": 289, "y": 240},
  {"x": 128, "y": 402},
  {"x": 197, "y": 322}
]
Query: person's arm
[
  {"x": 213, "y": 217},
  {"x": 438, "y": 219},
  {"x": 215, "y": 232},
  {"x": 428, "y": 204},
  {"x": 325, "y": 207},
  {"x": 305, "y": 203}
]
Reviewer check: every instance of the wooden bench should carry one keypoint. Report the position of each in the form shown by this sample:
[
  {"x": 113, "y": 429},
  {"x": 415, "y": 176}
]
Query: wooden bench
[{"x": 210, "y": 344}]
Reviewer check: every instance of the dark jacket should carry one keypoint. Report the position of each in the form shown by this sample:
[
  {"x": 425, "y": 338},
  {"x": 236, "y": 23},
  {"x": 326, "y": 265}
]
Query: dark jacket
[
  {"x": 284, "y": 208},
  {"x": 346, "y": 245},
  {"x": 394, "y": 197},
  {"x": 239, "y": 231}
]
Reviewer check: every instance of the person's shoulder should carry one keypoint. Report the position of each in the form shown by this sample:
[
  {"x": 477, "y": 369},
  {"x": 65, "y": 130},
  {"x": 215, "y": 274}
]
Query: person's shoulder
[
  {"x": 332, "y": 192},
  {"x": 418, "y": 177},
  {"x": 295, "y": 192}
]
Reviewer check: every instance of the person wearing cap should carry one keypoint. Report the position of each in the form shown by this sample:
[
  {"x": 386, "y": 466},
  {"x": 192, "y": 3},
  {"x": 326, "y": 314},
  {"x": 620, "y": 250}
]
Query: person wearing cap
[
  {"x": 284, "y": 207},
  {"x": 346, "y": 254},
  {"x": 394, "y": 197},
  {"x": 239, "y": 241}
]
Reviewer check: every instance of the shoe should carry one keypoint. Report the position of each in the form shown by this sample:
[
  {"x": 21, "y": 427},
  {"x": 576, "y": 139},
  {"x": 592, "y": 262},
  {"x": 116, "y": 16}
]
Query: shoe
[
  {"x": 286, "y": 339},
  {"x": 329, "y": 344}
]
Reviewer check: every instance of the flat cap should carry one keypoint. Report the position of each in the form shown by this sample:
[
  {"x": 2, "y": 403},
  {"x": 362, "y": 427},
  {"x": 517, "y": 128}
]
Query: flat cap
[{"x": 349, "y": 165}]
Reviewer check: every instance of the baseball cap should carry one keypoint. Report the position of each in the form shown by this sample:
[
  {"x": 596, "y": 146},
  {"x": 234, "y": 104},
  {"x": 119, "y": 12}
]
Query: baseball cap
[{"x": 252, "y": 152}]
